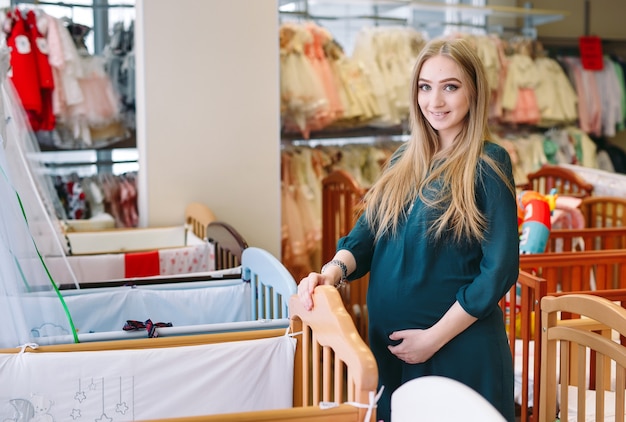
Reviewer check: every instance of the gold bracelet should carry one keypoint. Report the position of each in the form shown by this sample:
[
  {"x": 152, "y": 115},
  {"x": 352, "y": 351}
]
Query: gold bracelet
[{"x": 344, "y": 271}]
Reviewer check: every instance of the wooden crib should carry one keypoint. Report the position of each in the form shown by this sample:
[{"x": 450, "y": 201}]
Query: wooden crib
[
  {"x": 583, "y": 368},
  {"x": 197, "y": 217},
  {"x": 519, "y": 308},
  {"x": 332, "y": 373},
  {"x": 341, "y": 206},
  {"x": 550, "y": 274},
  {"x": 228, "y": 244},
  {"x": 565, "y": 181},
  {"x": 600, "y": 238},
  {"x": 530, "y": 289}
]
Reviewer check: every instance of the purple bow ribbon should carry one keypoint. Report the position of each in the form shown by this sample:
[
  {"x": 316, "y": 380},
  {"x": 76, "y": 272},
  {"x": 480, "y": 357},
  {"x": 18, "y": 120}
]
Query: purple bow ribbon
[{"x": 148, "y": 325}]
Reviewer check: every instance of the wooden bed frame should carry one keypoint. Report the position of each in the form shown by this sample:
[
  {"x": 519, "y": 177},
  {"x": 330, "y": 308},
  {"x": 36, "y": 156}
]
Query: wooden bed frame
[
  {"x": 577, "y": 339},
  {"x": 197, "y": 217},
  {"x": 601, "y": 238},
  {"x": 553, "y": 273},
  {"x": 587, "y": 270},
  {"x": 565, "y": 181},
  {"x": 227, "y": 242},
  {"x": 604, "y": 211},
  {"x": 518, "y": 307},
  {"x": 341, "y": 200},
  {"x": 332, "y": 363}
]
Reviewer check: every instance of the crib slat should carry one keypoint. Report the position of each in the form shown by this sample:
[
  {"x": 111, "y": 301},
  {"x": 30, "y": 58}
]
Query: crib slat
[
  {"x": 565, "y": 377},
  {"x": 581, "y": 381},
  {"x": 267, "y": 301},
  {"x": 602, "y": 278},
  {"x": 306, "y": 362},
  {"x": 347, "y": 382},
  {"x": 252, "y": 279},
  {"x": 336, "y": 378},
  {"x": 326, "y": 374},
  {"x": 600, "y": 386},
  {"x": 315, "y": 373},
  {"x": 620, "y": 386},
  {"x": 274, "y": 306}
]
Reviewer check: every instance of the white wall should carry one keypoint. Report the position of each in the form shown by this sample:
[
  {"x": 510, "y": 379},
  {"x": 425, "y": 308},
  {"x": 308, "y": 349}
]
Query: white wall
[{"x": 208, "y": 124}]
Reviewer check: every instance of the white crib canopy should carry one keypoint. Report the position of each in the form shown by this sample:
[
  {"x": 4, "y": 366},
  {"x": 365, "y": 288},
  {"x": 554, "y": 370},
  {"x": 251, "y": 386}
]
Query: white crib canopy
[{"x": 26, "y": 229}]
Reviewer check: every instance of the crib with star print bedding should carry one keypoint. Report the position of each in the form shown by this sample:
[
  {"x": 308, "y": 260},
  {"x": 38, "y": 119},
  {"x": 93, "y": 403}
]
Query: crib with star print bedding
[
  {"x": 316, "y": 369},
  {"x": 255, "y": 295},
  {"x": 553, "y": 273}
]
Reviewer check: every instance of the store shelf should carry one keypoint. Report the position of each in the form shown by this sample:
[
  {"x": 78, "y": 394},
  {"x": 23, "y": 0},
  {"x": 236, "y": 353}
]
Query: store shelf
[
  {"x": 537, "y": 16},
  {"x": 402, "y": 10}
]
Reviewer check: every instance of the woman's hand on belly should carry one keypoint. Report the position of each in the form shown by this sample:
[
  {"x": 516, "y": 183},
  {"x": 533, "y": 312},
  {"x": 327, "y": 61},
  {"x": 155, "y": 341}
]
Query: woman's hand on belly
[
  {"x": 413, "y": 346},
  {"x": 418, "y": 345}
]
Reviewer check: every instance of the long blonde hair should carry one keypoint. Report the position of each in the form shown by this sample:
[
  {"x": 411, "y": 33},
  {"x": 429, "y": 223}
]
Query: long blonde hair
[{"x": 422, "y": 164}]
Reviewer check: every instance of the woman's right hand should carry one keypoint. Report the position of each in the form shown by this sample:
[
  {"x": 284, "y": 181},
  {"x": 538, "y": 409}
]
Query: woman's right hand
[{"x": 307, "y": 286}]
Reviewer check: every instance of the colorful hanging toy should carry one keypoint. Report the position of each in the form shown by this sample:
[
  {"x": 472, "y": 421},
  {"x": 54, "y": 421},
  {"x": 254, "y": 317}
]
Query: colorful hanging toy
[
  {"x": 534, "y": 213},
  {"x": 533, "y": 218}
]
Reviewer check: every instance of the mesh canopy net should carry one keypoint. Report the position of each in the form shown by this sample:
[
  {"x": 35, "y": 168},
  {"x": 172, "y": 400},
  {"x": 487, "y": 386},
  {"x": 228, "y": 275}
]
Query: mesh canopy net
[{"x": 32, "y": 310}]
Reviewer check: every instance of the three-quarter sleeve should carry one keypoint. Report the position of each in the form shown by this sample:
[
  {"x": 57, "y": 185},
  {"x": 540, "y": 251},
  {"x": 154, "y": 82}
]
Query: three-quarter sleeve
[{"x": 499, "y": 265}]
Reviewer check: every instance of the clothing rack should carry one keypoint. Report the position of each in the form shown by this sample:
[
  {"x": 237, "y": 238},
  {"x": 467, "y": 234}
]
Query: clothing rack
[
  {"x": 465, "y": 13},
  {"x": 570, "y": 47}
]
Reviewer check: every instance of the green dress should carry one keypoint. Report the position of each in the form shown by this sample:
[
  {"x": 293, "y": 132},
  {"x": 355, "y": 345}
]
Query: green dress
[{"x": 414, "y": 281}]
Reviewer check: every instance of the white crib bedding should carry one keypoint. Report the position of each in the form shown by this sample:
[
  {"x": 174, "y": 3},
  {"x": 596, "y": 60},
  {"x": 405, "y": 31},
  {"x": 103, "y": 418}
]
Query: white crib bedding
[
  {"x": 102, "y": 310},
  {"x": 123, "y": 385}
]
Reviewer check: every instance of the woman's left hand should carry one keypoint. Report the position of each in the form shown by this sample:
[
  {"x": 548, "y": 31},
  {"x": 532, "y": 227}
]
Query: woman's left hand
[{"x": 415, "y": 346}]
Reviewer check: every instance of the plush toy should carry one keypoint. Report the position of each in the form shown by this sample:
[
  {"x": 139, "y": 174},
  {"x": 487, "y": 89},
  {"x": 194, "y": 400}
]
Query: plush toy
[{"x": 534, "y": 211}]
